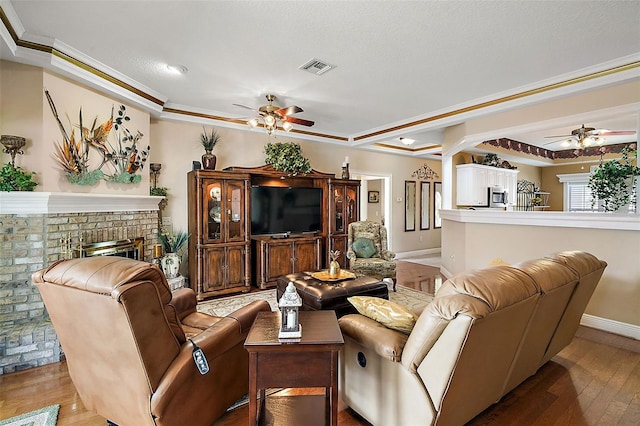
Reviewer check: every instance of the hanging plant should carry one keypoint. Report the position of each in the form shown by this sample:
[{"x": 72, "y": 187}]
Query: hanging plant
[
  {"x": 613, "y": 183},
  {"x": 287, "y": 157}
]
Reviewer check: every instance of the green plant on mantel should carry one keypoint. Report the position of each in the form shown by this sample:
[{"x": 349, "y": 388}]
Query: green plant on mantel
[
  {"x": 287, "y": 157},
  {"x": 613, "y": 183},
  {"x": 159, "y": 191},
  {"x": 15, "y": 179}
]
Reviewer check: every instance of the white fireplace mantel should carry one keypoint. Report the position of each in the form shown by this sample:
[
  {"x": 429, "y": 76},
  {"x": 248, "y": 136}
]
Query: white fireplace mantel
[{"x": 63, "y": 202}]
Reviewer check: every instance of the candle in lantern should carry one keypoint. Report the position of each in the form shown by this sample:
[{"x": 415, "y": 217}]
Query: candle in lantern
[{"x": 291, "y": 319}]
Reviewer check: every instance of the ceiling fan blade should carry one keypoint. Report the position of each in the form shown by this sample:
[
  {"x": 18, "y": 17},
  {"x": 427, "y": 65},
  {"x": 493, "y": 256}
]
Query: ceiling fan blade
[
  {"x": 617, "y": 133},
  {"x": 558, "y": 136},
  {"x": 300, "y": 121},
  {"x": 243, "y": 106},
  {"x": 289, "y": 110}
]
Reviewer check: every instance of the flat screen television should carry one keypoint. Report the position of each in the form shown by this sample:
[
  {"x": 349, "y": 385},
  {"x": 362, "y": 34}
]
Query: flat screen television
[{"x": 278, "y": 210}]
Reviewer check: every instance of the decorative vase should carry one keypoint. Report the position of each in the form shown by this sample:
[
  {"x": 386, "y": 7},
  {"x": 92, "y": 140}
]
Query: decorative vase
[
  {"x": 208, "y": 161},
  {"x": 171, "y": 265},
  {"x": 334, "y": 269}
]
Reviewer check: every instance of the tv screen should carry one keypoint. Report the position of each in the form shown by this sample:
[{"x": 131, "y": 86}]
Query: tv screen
[{"x": 276, "y": 210}]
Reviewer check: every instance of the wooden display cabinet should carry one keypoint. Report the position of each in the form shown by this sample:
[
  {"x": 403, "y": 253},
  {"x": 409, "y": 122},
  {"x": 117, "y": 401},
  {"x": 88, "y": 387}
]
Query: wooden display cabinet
[
  {"x": 344, "y": 208},
  {"x": 275, "y": 257},
  {"x": 219, "y": 246}
]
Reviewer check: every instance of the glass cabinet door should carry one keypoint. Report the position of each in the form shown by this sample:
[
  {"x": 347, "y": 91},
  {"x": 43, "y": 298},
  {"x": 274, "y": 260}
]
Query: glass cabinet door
[
  {"x": 352, "y": 206},
  {"x": 338, "y": 203},
  {"x": 213, "y": 210},
  {"x": 235, "y": 211}
]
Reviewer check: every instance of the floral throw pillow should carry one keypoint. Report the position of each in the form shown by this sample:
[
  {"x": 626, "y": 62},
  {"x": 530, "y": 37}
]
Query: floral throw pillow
[{"x": 363, "y": 247}]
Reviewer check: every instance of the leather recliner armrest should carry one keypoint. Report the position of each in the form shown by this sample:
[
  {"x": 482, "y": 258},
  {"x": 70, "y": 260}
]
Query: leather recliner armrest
[
  {"x": 247, "y": 314},
  {"x": 371, "y": 334},
  {"x": 184, "y": 301}
]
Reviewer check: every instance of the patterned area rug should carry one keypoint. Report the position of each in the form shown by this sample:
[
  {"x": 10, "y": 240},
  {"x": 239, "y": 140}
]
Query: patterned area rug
[
  {"x": 46, "y": 416},
  {"x": 412, "y": 299}
]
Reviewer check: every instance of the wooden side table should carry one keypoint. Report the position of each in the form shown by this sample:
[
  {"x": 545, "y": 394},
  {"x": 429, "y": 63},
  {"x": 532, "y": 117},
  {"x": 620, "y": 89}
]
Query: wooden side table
[{"x": 311, "y": 361}]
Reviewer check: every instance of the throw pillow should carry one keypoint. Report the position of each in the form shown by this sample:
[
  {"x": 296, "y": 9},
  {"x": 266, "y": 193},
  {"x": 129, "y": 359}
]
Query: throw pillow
[
  {"x": 363, "y": 247},
  {"x": 389, "y": 314}
]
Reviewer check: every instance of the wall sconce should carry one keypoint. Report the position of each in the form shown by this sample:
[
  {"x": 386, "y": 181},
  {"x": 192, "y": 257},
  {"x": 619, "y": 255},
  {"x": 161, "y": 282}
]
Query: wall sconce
[
  {"x": 289, "y": 304},
  {"x": 13, "y": 145},
  {"x": 155, "y": 171}
]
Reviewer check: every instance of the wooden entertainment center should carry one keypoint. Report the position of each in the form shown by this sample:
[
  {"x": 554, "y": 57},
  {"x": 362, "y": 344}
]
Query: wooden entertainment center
[{"x": 223, "y": 255}]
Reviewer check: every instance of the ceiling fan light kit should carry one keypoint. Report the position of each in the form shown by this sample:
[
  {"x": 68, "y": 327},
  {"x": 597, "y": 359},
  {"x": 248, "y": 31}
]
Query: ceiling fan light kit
[
  {"x": 272, "y": 117},
  {"x": 585, "y": 137}
]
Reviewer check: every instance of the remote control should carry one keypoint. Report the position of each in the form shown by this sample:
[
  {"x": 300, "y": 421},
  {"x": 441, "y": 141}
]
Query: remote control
[{"x": 200, "y": 360}]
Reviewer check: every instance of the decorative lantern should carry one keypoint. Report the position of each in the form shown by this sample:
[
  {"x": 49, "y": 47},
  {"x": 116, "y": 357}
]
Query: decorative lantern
[{"x": 289, "y": 309}]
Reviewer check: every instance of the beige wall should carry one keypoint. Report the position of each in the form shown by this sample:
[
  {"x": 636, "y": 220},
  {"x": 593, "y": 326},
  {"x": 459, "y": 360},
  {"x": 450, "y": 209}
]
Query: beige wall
[
  {"x": 472, "y": 245},
  {"x": 25, "y": 112}
]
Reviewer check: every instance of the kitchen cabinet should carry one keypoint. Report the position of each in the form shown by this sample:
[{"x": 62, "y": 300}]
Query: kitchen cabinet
[{"x": 474, "y": 180}]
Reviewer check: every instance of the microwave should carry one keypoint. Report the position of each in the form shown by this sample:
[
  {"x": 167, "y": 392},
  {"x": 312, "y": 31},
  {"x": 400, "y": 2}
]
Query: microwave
[{"x": 498, "y": 196}]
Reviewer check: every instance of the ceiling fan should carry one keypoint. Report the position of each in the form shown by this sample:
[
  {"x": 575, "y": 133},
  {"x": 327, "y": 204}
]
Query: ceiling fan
[
  {"x": 588, "y": 136},
  {"x": 271, "y": 116}
]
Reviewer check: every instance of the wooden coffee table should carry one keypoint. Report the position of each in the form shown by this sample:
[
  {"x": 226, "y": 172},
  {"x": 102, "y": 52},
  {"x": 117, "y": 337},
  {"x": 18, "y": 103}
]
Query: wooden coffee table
[{"x": 311, "y": 361}]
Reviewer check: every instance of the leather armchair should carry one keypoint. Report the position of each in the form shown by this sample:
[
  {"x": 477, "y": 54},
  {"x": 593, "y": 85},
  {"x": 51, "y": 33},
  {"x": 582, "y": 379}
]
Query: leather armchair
[
  {"x": 129, "y": 341},
  {"x": 380, "y": 265}
]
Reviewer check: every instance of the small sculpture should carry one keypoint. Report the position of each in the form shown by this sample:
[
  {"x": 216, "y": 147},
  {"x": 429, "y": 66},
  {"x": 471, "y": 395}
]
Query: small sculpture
[{"x": 334, "y": 266}]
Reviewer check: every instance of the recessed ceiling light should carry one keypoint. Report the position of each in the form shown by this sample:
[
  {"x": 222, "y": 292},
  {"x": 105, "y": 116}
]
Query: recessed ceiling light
[
  {"x": 407, "y": 141},
  {"x": 177, "y": 69}
]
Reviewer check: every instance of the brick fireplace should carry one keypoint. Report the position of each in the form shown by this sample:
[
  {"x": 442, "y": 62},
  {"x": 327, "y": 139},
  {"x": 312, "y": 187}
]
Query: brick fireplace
[{"x": 37, "y": 229}]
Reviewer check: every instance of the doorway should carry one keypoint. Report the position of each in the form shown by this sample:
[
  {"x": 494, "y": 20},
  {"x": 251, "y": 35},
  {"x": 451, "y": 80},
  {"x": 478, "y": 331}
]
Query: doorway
[{"x": 379, "y": 211}]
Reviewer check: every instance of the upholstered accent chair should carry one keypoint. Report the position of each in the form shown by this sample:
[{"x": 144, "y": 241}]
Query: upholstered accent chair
[
  {"x": 129, "y": 342},
  {"x": 367, "y": 250}
]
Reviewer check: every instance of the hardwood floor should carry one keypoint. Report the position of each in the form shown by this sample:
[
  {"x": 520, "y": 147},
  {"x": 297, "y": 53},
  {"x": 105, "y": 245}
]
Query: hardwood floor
[{"x": 593, "y": 381}]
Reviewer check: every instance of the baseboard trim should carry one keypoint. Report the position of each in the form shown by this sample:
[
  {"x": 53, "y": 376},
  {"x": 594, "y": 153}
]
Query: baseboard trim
[
  {"x": 418, "y": 253},
  {"x": 611, "y": 326}
]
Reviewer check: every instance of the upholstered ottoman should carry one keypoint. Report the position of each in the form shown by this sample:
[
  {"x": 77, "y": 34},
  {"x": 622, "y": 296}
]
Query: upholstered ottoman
[{"x": 332, "y": 295}]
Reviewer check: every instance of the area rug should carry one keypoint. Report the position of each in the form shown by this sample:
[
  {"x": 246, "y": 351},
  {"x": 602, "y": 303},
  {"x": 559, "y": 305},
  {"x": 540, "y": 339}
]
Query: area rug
[
  {"x": 46, "y": 416},
  {"x": 412, "y": 299}
]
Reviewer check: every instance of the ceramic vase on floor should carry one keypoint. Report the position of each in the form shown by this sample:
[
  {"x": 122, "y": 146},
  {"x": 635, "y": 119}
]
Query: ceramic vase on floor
[{"x": 171, "y": 265}]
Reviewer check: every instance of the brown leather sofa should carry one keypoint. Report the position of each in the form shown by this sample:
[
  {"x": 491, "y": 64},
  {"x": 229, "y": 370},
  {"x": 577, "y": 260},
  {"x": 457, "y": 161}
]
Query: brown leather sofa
[
  {"x": 484, "y": 333},
  {"x": 125, "y": 338}
]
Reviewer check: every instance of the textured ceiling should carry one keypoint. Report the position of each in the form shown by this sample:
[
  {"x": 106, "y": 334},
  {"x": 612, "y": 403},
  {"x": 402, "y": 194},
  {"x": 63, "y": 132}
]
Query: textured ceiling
[{"x": 396, "y": 60}]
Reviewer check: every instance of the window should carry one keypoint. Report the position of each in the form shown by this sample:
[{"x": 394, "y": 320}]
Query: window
[{"x": 577, "y": 195}]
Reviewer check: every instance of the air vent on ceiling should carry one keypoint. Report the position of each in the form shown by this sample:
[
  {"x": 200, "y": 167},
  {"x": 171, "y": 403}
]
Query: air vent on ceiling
[{"x": 316, "y": 66}]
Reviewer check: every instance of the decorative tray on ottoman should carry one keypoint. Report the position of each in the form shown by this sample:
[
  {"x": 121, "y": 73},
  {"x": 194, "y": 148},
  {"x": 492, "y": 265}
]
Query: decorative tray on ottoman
[{"x": 324, "y": 275}]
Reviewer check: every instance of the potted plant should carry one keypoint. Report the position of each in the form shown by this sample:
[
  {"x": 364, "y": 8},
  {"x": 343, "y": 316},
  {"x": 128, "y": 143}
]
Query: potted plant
[
  {"x": 287, "y": 157},
  {"x": 159, "y": 191},
  {"x": 172, "y": 244},
  {"x": 15, "y": 179},
  {"x": 613, "y": 183},
  {"x": 209, "y": 141}
]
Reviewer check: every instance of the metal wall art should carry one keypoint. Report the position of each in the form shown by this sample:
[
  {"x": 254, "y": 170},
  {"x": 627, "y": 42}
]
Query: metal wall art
[{"x": 425, "y": 173}]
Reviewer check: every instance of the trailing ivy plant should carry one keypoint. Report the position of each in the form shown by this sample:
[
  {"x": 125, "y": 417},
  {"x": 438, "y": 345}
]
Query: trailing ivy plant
[
  {"x": 15, "y": 179},
  {"x": 613, "y": 183},
  {"x": 160, "y": 191},
  {"x": 287, "y": 157}
]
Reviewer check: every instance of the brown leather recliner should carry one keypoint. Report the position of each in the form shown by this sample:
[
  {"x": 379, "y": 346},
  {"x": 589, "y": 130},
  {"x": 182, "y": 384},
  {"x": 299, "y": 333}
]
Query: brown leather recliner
[{"x": 126, "y": 340}]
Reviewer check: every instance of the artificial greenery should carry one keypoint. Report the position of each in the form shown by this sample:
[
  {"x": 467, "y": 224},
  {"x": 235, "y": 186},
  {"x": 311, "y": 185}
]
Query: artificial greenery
[
  {"x": 209, "y": 140},
  {"x": 125, "y": 177},
  {"x": 173, "y": 243},
  {"x": 613, "y": 183},
  {"x": 160, "y": 191},
  {"x": 85, "y": 178},
  {"x": 15, "y": 179},
  {"x": 287, "y": 157}
]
